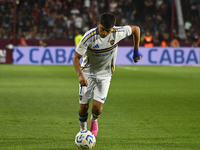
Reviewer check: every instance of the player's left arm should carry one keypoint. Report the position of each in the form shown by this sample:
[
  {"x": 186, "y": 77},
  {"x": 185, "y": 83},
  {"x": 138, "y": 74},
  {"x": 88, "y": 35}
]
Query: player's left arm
[{"x": 136, "y": 39}]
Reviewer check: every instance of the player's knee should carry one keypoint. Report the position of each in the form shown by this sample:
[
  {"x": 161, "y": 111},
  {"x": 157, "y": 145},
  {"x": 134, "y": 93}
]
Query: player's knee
[
  {"x": 97, "y": 107},
  {"x": 84, "y": 107},
  {"x": 97, "y": 110}
]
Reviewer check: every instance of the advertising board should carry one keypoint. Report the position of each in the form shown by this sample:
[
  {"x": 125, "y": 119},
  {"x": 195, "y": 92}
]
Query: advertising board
[{"x": 150, "y": 56}]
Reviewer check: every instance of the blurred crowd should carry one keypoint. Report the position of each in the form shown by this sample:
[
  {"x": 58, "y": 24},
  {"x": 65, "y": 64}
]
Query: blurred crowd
[{"x": 61, "y": 19}]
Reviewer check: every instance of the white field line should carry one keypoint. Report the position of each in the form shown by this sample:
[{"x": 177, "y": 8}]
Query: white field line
[{"x": 129, "y": 68}]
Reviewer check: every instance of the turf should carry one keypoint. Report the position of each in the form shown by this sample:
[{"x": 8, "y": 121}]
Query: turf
[{"x": 147, "y": 108}]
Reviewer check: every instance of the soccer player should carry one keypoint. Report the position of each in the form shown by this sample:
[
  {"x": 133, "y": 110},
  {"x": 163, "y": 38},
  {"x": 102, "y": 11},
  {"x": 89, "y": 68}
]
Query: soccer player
[{"x": 98, "y": 47}]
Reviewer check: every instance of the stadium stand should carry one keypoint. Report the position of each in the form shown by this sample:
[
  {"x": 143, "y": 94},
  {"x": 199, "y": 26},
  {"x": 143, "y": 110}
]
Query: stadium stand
[{"x": 58, "y": 20}]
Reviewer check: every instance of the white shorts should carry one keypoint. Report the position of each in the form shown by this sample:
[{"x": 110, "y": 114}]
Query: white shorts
[{"x": 97, "y": 89}]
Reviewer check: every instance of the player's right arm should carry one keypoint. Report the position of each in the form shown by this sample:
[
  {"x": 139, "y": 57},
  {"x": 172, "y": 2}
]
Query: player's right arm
[
  {"x": 76, "y": 63},
  {"x": 81, "y": 49},
  {"x": 136, "y": 37}
]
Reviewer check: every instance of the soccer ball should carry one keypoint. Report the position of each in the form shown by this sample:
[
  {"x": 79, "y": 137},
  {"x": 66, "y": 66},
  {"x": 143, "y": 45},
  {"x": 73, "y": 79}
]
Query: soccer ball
[{"x": 85, "y": 140}]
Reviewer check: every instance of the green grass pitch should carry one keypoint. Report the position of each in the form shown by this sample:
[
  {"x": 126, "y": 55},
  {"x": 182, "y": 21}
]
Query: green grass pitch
[{"x": 147, "y": 108}]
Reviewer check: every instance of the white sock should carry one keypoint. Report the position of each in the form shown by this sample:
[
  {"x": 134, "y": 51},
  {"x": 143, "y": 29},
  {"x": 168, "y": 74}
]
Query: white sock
[
  {"x": 83, "y": 125},
  {"x": 93, "y": 119}
]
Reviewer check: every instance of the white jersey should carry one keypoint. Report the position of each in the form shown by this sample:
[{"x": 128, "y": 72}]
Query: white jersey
[{"x": 99, "y": 54}]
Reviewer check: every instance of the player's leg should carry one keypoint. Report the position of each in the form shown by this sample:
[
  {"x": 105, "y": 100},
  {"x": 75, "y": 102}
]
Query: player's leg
[
  {"x": 85, "y": 95},
  {"x": 100, "y": 94},
  {"x": 83, "y": 115},
  {"x": 96, "y": 110}
]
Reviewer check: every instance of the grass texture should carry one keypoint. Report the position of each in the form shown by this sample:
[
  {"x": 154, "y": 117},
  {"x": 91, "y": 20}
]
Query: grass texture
[{"x": 147, "y": 108}]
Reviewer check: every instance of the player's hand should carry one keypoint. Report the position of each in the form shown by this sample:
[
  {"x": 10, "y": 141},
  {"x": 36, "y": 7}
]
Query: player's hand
[
  {"x": 136, "y": 59},
  {"x": 136, "y": 55},
  {"x": 82, "y": 80}
]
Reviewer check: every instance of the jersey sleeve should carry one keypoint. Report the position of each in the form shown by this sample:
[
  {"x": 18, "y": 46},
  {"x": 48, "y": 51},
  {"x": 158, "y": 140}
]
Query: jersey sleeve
[
  {"x": 128, "y": 30},
  {"x": 122, "y": 32},
  {"x": 82, "y": 46}
]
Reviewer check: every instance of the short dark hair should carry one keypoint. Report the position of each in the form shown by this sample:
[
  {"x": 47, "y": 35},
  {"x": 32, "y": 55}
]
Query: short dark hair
[{"x": 107, "y": 20}]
